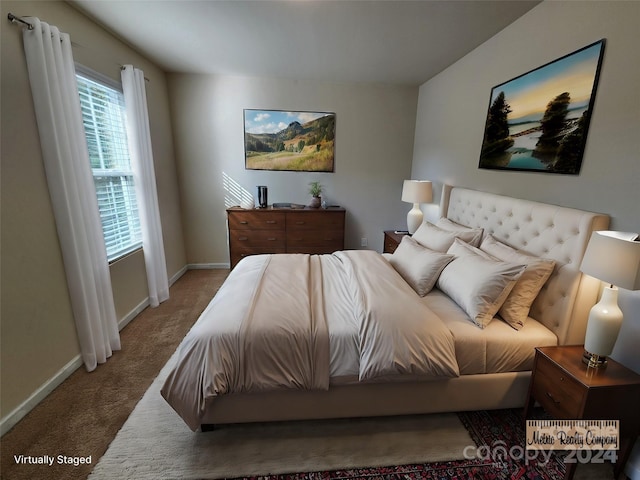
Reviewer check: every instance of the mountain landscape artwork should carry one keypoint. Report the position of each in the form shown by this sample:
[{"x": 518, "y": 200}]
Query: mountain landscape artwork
[
  {"x": 539, "y": 120},
  {"x": 282, "y": 140}
]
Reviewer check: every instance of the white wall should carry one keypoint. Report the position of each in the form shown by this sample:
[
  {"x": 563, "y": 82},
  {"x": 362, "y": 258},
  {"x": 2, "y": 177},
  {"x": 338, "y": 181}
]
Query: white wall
[
  {"x": 38, "y": 339},
  {"x": 452, "y": 108},
  {"x": 374, "y": 145}
]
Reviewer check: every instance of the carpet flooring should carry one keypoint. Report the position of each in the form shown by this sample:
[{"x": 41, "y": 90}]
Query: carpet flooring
[{"x": 155, "y": 443}]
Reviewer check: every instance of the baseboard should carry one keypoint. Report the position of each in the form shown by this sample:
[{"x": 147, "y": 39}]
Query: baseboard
[
  {"x": 204, "y": 266},
  {"x": 178, "y": 274},
  {"x": 124, "y": 321},
  {"x": 36, "y": 397},
  {"x": 61, "y": 375}
]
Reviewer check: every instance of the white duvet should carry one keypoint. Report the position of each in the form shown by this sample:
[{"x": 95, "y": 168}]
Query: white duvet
[{"x": 269, "y": 327}]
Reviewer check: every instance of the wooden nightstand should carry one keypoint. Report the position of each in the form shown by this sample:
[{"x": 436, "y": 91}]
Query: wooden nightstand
[
  {"x": 392, "y": 240},
  {"x": 567, "y": 389}
]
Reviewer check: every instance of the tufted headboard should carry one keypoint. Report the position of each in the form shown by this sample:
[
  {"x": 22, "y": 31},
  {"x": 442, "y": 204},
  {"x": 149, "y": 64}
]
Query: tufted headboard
[{"x": 543, "y": 230}]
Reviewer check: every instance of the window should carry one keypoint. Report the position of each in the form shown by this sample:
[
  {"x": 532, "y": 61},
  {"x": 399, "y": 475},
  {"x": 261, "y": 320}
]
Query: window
[{"x": 103, "y": 115}]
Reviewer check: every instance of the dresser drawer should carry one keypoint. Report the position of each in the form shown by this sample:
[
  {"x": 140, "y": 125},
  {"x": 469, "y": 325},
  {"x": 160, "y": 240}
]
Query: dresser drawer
[
  {"x": 323, "y": 220},
  {"x": 257, "y": 238},
  {"x": 256, "y": 220},
  {"x": 559, "y": 394},
  {"x": 302, "y": 238}
]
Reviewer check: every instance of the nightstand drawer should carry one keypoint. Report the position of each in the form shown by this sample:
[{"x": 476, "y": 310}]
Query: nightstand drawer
[{"x": 559, "y": 394}]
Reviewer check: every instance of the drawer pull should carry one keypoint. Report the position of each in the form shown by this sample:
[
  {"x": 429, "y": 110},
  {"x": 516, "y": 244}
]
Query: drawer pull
[
  {"x": 271, "y": 221},
  {"x": 272, "y": 239},
  {"x": 557, "y": 402},
  {"x": 300, "y": 223},
  {"x": 243, "y": 239},
  {"x": 243, "y": 222}
]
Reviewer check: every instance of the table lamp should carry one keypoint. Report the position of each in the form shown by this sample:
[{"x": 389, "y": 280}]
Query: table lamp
[
  {"x": 416, "y": 192},
  {"x": 613, "y": 257}
]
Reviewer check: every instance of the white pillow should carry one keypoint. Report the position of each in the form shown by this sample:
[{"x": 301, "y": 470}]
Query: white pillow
[
  {"x": 515, "y": 309},
  {"x": 430, "y": 236},
  {"x": 477, "y": 284},
  {"x": 419, "y": 266},
  {"x": 451, "y": 226}
]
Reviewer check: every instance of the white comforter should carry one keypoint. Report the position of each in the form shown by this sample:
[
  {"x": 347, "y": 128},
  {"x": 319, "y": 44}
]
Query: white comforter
[{"x": 267, "y": 328}]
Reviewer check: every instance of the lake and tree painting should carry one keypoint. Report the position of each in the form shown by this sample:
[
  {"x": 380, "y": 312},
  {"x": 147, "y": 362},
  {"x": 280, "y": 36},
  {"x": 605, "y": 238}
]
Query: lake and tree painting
[
  {"x": 280, "y": 140},
  {"x": 539, "y": 120}
]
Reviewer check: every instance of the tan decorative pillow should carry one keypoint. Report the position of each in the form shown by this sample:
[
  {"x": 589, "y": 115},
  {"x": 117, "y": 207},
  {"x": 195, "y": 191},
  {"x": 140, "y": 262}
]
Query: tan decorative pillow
[
  {"x": 477, "y": 284},
  {"x": 435, "y": 238},
  {"x": 515, "y": 309},
  {"x": 419, "y": 266},
  {"x": 451, "y": 226}
]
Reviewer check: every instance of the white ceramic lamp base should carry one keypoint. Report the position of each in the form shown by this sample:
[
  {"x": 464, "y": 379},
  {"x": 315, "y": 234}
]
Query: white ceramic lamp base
[
  {"x": 605, "y": 320},
  {"x": 414, "y": 218}
]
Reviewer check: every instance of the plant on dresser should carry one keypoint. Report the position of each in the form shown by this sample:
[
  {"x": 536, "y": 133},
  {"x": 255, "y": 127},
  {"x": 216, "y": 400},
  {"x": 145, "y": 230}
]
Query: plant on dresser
[{"x": 284, "y": 230}]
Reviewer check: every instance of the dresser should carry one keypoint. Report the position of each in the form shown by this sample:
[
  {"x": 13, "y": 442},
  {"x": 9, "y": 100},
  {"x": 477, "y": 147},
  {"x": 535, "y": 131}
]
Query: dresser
[{"x": 284, "y": 230}]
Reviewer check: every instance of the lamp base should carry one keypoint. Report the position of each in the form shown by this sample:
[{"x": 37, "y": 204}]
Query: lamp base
[{"x": 594, "y": 361}]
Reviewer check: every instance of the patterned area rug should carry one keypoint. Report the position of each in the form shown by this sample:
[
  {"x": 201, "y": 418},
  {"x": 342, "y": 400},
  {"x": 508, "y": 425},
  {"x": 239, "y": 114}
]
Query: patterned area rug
[{"x": 495, "y": 434}]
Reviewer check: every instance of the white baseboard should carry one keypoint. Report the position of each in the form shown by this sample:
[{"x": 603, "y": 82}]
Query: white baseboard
[
  {"x": 178, "y": 274},
  {"x": 204, "y": 266},
  {"x": 36, "y": 397},
  {"x": 61, "y": 375}
]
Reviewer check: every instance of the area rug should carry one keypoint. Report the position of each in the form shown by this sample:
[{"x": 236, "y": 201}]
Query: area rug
[{"x": 154, "y": 443}]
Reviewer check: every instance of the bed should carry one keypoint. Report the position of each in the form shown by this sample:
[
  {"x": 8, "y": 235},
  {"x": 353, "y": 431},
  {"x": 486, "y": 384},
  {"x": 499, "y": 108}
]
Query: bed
[{"x": 367, "y": 344}]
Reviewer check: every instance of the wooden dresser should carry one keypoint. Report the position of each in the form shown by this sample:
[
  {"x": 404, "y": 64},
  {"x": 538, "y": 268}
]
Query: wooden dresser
[{"x": 284, "y": 230}]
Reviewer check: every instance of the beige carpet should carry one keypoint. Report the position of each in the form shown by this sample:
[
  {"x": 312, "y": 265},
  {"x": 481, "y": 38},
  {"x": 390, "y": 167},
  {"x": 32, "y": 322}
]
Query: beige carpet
[{"x": 154, "y": 443}]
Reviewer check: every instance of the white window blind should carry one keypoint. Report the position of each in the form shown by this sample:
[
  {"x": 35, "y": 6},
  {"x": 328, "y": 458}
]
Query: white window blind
[{"x": 103, "y": 115}]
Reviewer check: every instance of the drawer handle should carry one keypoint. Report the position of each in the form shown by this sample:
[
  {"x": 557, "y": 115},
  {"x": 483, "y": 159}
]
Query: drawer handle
[
  {"x": 243, "y": 239},
  {"x": 272, "y": 239},
  {"x": 243, "y": 222},
  {"x": 557, "y": 402},
  {"x": 300, "y": 223},
  {"x": 271, "y": 221}
]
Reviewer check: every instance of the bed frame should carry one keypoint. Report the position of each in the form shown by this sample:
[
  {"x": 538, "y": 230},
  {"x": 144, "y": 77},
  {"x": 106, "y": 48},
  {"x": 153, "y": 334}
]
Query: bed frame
[{"x": 562, "y": 306}]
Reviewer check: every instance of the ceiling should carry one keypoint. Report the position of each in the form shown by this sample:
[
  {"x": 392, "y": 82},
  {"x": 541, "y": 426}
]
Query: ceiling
[{"x": 391, "y": 42}]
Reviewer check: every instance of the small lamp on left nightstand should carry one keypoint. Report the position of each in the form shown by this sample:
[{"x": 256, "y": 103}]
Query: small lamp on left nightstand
[
  {"x": 416, "y": 192},
  {"x": 613, "y": 257}
]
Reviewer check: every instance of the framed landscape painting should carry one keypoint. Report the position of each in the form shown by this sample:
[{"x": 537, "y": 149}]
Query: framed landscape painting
[
  {"x": 539, "y": 120},
  {"x": 294, "y": 141}
]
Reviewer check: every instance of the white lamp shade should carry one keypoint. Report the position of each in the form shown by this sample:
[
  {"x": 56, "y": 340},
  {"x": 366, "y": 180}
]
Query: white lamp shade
[
  {"x": 613, "y": 257},
  {"x": 417, "y": 191}
]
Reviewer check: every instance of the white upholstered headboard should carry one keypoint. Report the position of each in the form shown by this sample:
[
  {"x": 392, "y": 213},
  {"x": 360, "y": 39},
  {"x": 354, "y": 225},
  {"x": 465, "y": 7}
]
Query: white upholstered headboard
[{"x": 544, "y": 230}]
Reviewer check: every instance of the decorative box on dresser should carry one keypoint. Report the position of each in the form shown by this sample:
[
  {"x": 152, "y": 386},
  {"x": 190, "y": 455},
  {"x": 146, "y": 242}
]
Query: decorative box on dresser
[
  {"x": 284, "y": 230},
  {"x": 567, "y": 389}
]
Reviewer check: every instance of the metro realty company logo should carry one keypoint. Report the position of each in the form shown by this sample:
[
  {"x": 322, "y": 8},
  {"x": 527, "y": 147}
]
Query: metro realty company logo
[{"x": 573, "y": 434}]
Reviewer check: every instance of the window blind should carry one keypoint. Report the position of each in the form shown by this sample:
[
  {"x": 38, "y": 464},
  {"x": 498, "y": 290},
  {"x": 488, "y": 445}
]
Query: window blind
[{"x": 103, "y": 115}]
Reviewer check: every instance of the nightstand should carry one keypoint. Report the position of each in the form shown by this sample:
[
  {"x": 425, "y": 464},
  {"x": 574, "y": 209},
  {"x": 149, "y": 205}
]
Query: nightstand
[
  {"x": 392, "y": 240},
  {"x": 567, "y": 389}
]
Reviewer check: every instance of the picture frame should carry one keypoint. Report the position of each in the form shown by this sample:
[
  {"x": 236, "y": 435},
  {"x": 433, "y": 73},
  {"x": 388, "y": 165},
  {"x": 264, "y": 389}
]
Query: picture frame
[
  {"x": 283, "y": 140},
  {"x": 539, "y": 121}
]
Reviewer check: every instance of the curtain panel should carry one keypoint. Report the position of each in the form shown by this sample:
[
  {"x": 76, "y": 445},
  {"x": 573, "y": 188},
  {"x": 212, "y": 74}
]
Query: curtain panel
[
  {"x": 71, "y": 188},
  {"x": 144, "y": 177}
]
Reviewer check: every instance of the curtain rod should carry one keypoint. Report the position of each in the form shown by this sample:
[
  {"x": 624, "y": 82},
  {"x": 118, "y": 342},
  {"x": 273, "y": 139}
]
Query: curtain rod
[{"x": 14, "y": 19}]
